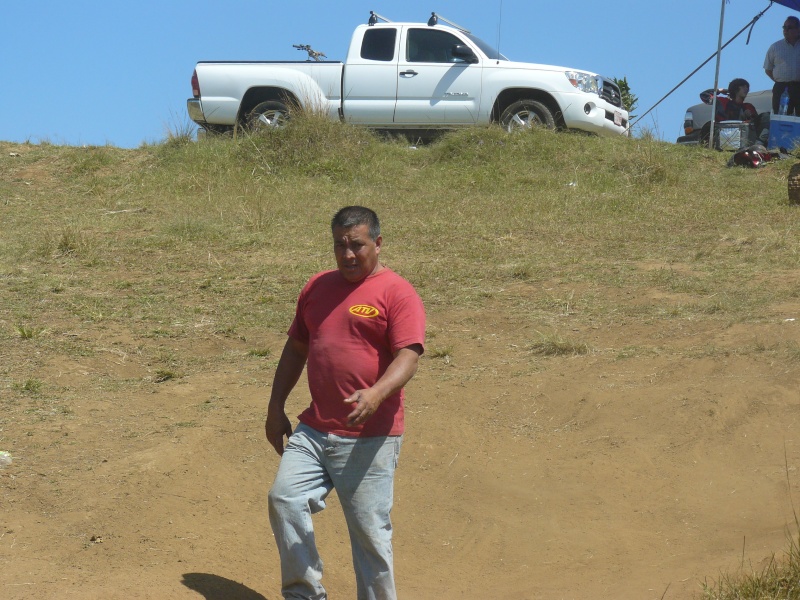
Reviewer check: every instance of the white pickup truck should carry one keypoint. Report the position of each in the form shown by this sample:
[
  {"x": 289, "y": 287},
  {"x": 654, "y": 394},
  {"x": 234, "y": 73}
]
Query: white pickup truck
[{"x": 411, "y": 77}]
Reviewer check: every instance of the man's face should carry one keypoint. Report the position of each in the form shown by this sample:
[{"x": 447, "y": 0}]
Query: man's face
[
  {"x": 790, "y": 31},
  {"x": 741, "y": 94},
  {"x": 356, "y": 252}
]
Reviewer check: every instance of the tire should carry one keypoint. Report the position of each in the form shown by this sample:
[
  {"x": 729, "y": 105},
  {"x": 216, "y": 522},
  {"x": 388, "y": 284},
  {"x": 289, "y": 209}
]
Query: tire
[
  {"x": 268, "y": 115},
  {"x": 526, "y": 114}
]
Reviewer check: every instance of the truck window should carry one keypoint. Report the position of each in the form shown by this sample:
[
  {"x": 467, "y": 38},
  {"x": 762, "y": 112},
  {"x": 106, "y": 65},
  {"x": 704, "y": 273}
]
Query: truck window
[
  {"x": 490, "y": 52},
  {"x": 431, "y": 45},
  {"x": 378, "y": 44}
]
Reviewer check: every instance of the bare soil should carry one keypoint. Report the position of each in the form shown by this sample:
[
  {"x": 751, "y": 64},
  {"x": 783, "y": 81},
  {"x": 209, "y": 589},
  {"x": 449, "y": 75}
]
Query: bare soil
[
  {"x": 666, "y": 455},
  {"x": 593, "y": 476}
]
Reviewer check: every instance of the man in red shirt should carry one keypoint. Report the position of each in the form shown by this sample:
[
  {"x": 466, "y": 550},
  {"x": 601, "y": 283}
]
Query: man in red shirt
[{"x": 360, "y": 329}]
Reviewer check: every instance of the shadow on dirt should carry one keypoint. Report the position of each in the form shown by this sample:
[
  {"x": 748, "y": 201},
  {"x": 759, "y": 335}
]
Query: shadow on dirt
[{"x": 214, "y": 587}]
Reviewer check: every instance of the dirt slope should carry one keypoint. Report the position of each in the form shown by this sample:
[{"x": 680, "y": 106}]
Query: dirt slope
[{"x": 586, "y": 477}]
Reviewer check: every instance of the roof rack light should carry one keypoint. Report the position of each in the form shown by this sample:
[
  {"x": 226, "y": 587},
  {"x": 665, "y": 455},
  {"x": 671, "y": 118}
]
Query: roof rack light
[
  {"x": 436, "y": 18},
  {"x": 375, "y": 17}
]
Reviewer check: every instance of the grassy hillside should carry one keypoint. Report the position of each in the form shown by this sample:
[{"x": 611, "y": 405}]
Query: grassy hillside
[
  {"x": 174, "y": 244},
  {"x": 106, "y": 234}
]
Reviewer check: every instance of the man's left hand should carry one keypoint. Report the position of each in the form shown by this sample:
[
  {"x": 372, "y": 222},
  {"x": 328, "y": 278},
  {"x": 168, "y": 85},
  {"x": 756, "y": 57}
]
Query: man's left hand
[
  {"x": 402, "y": 368},
  {"x": 365, "y": 403}
]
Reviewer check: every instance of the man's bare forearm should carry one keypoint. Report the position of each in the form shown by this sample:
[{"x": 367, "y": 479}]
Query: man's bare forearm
[
  {"x": 290, "y": 367},
  {"x": 399, "y": 372}
]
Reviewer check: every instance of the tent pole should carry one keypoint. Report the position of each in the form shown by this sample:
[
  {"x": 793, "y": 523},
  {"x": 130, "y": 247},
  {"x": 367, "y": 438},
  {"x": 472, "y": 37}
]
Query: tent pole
[
  {"x": 751, "y": 24},
  {"x": 716, "y": 78}
]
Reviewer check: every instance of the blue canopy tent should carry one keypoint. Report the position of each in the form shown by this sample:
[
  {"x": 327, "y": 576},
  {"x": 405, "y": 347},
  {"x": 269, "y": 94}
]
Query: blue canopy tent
[{"x": 793, "y": 4}]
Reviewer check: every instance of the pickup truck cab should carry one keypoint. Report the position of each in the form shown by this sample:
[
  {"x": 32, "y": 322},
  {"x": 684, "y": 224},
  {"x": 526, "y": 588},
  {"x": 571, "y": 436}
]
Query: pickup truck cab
[{"x": 408, "y": 76}]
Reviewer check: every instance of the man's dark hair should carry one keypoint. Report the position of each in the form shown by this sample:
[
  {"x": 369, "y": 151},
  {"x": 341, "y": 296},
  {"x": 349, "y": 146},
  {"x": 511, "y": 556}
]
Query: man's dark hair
[
  {"x": 794, "y": 20},
  {"x": 350, "y": 216},
  {"x": 735, "y": 85}
]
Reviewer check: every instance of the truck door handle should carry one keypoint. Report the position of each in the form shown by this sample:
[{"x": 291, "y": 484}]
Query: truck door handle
[{"x": 410, "y": 73}]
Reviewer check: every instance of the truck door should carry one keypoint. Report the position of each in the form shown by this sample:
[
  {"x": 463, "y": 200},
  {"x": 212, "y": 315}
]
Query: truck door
[
  {"x": 369, "y": 84},
  {"x": 434, "y": 86}
]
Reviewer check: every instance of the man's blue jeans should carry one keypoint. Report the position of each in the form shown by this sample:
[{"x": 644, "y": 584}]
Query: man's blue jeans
[{"x": 362, "y": 472}]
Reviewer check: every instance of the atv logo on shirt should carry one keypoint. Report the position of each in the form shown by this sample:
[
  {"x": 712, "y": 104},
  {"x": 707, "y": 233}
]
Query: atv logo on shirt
[{"x": 364, "y": 310}]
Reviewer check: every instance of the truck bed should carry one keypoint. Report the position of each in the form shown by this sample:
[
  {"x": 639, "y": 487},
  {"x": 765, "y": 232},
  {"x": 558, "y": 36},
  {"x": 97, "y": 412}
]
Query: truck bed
[{"x": 224, "y": 83}]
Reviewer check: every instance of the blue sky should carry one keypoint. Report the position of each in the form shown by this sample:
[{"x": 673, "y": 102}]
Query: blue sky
[{"x": 109, "y": 72}]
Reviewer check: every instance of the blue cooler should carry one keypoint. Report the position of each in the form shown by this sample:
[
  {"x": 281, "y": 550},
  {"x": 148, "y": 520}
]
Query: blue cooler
[{"x": 784, "y": 131}]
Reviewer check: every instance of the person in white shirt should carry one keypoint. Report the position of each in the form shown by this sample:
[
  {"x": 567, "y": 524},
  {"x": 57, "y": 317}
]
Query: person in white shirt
[{"x": 782, "y": 65}]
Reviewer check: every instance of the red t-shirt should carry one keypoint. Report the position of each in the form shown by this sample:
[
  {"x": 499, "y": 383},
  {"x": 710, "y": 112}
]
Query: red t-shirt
[
  {"x": 353, "y": 331},
  {"x": 728, "y": 110}
]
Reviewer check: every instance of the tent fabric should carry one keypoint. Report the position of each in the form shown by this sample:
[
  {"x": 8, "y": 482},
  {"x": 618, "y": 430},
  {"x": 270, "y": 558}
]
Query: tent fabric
[{"x": 793, "y": 4}]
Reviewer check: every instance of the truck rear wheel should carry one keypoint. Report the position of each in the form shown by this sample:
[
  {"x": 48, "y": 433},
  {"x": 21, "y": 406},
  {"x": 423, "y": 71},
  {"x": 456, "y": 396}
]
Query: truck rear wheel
[
  {"x": 525, "y": 114},
  {"x": 268, "y": 115}
]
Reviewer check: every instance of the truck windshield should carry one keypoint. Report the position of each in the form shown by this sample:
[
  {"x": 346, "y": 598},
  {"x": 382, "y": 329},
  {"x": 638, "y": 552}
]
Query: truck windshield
[{"x": 490, "y": 52}]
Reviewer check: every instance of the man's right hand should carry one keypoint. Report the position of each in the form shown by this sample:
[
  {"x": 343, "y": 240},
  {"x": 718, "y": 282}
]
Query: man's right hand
[
  {"x": 288, "y": 371},
  {"x": 276, "y": 427}
]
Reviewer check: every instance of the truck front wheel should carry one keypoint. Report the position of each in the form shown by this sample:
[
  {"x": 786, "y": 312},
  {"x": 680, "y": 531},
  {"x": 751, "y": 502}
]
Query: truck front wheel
[
  {"x": 268, "y": 115},
  {"x": 525, "y": 114}
]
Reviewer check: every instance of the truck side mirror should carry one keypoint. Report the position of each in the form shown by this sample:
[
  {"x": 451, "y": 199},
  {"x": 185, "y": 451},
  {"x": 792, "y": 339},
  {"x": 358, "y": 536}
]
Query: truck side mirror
[{"x": 465, "y": 53}]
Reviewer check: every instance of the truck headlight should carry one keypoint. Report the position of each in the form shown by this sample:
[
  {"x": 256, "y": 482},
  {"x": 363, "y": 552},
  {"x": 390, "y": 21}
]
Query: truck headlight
[
  {"x": 585, "y": 82},
  {"x": 688, "y": 122}
]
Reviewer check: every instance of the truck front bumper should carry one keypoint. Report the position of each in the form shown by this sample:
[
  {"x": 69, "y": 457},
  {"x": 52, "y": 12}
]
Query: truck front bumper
[
  {"x": 693, "y": 139},
  {"x": 596, "y": 116}
]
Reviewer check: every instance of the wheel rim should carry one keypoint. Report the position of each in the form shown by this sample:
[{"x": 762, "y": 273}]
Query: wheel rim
[
  {"x": 271, "y": 119},
  {"x": 524, "y": 119}
]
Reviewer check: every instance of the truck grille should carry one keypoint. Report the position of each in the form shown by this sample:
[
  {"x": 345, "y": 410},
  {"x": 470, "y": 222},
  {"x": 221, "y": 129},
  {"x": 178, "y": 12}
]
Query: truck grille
[{"x": 611, "y": 93}]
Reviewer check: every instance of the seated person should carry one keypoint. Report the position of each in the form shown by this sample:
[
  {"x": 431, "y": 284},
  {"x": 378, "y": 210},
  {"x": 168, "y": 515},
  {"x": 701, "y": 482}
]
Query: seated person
[{"x": 734, "y": 108}]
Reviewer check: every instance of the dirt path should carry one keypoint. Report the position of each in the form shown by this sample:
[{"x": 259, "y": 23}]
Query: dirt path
[{"x": 616, "y": 474}]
